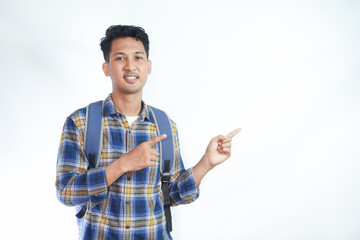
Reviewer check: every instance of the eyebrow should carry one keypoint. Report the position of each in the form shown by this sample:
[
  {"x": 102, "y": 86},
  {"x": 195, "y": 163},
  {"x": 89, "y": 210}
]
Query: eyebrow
[{"x": 121, "y": 53}]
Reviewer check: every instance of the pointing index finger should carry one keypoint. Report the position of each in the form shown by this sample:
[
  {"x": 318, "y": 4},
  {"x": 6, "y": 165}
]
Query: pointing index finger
[
  {"x": 233, "y": 133},
  {"x": 156, "y": 139}
]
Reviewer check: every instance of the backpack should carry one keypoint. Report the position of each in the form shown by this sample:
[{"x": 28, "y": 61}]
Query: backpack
[{"x": 93, "y": 142}]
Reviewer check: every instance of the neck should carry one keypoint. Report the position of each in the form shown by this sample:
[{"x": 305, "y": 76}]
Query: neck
[{"x": 129, "y": 105}]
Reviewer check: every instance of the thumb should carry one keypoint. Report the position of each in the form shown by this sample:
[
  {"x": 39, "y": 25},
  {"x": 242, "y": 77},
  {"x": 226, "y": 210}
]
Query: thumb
[{"x": 156, "y": 139}]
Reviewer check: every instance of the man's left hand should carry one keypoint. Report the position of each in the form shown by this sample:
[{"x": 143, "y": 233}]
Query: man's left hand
[{"x": 219, "y": 148}]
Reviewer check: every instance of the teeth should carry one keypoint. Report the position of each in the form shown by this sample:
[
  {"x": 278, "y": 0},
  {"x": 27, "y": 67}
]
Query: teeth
[{"x": 130, "y": 78}]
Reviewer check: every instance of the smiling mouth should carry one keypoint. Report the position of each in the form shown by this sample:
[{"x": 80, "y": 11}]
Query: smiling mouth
[{"x": 131, "y": 78}]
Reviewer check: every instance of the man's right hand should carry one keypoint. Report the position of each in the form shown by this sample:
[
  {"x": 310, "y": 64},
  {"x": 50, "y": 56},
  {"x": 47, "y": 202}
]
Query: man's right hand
[{"x": 142, "y": 156}]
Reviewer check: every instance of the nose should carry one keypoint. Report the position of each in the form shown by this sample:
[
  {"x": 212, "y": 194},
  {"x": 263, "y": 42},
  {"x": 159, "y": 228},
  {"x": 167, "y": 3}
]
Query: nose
[{"x": 130, "y": 65}]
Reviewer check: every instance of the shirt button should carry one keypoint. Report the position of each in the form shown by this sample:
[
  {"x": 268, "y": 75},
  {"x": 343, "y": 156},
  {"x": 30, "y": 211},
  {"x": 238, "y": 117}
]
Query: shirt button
[
  {"x": 127, "y": 202},
  {"x": 127, "y": 226},
  {"x": 128, "y": 178}
]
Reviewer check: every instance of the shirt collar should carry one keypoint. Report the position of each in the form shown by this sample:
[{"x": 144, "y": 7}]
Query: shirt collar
[{"x": 109, "y": 108}]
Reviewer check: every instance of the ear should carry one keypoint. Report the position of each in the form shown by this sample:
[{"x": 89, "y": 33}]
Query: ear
[
  {"x": 149, "y": 66},
  {"x": 105, "y": 67}
]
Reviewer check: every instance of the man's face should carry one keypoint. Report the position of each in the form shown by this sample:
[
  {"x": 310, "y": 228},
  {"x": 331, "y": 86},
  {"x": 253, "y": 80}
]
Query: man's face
[{"x": 128, "y": 66}]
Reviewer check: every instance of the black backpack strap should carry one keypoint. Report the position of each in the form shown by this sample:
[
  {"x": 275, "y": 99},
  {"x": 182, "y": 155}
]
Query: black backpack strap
[
  {"x": 82, "y": 211},
  {"x": 163, "y": 126},
  {"x": 93, "y": 138},
  {"x": 165, "y": 178}
]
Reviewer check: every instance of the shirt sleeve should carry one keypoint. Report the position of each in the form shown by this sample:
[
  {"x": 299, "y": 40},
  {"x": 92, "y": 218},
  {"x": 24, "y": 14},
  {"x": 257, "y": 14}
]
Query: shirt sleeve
[
  {"x": 75, "y": 184},
  {"x": 183, "y": 189}
]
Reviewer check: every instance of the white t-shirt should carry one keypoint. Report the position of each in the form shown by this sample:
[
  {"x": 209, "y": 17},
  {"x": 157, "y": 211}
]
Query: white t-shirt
[{"x": 131, "y": 119}]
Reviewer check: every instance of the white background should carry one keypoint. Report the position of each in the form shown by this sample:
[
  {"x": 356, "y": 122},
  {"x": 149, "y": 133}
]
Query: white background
[{"x": 286, "y": 72}]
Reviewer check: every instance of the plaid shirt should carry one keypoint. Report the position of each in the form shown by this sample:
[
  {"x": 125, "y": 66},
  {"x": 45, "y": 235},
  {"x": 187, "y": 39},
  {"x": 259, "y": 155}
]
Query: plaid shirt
[{"x": 131, "y": 207}]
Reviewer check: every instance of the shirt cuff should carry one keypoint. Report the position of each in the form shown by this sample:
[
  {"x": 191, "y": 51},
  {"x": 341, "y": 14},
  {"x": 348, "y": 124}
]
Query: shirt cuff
[
  {"x": 97, "y": 187},
  {"x": 184, "y": 189}
]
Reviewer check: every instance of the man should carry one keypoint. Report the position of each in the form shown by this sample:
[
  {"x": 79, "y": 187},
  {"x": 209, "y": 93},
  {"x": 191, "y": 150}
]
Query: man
[{"x": 124, "y": 192}]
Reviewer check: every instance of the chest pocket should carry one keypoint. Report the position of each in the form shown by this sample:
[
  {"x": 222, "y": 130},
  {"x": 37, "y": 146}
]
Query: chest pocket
[{"x": 149, "y": 177}]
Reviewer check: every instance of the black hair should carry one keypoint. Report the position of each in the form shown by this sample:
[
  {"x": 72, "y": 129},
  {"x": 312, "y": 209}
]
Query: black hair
[{"x": 122, "y": 31}]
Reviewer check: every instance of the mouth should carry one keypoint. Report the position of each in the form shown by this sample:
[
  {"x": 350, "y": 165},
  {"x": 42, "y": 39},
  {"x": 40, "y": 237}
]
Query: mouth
[{"x": 131, "y": 78}]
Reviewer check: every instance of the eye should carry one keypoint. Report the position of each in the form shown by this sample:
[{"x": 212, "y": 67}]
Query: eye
[
  {"x": 120, "y": 58},
  {"x": 138, "y": 57}
]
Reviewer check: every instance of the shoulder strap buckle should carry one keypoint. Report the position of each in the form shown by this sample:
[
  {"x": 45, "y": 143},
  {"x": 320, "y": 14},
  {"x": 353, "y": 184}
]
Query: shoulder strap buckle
[{"x": 165, "y": 178}]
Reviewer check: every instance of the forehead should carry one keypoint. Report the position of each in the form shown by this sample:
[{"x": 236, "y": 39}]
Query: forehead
[{"x": 127, "y": 45}]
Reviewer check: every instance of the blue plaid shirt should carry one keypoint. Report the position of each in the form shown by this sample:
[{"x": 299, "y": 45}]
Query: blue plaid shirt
[{"x": 131, "y": 207}]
